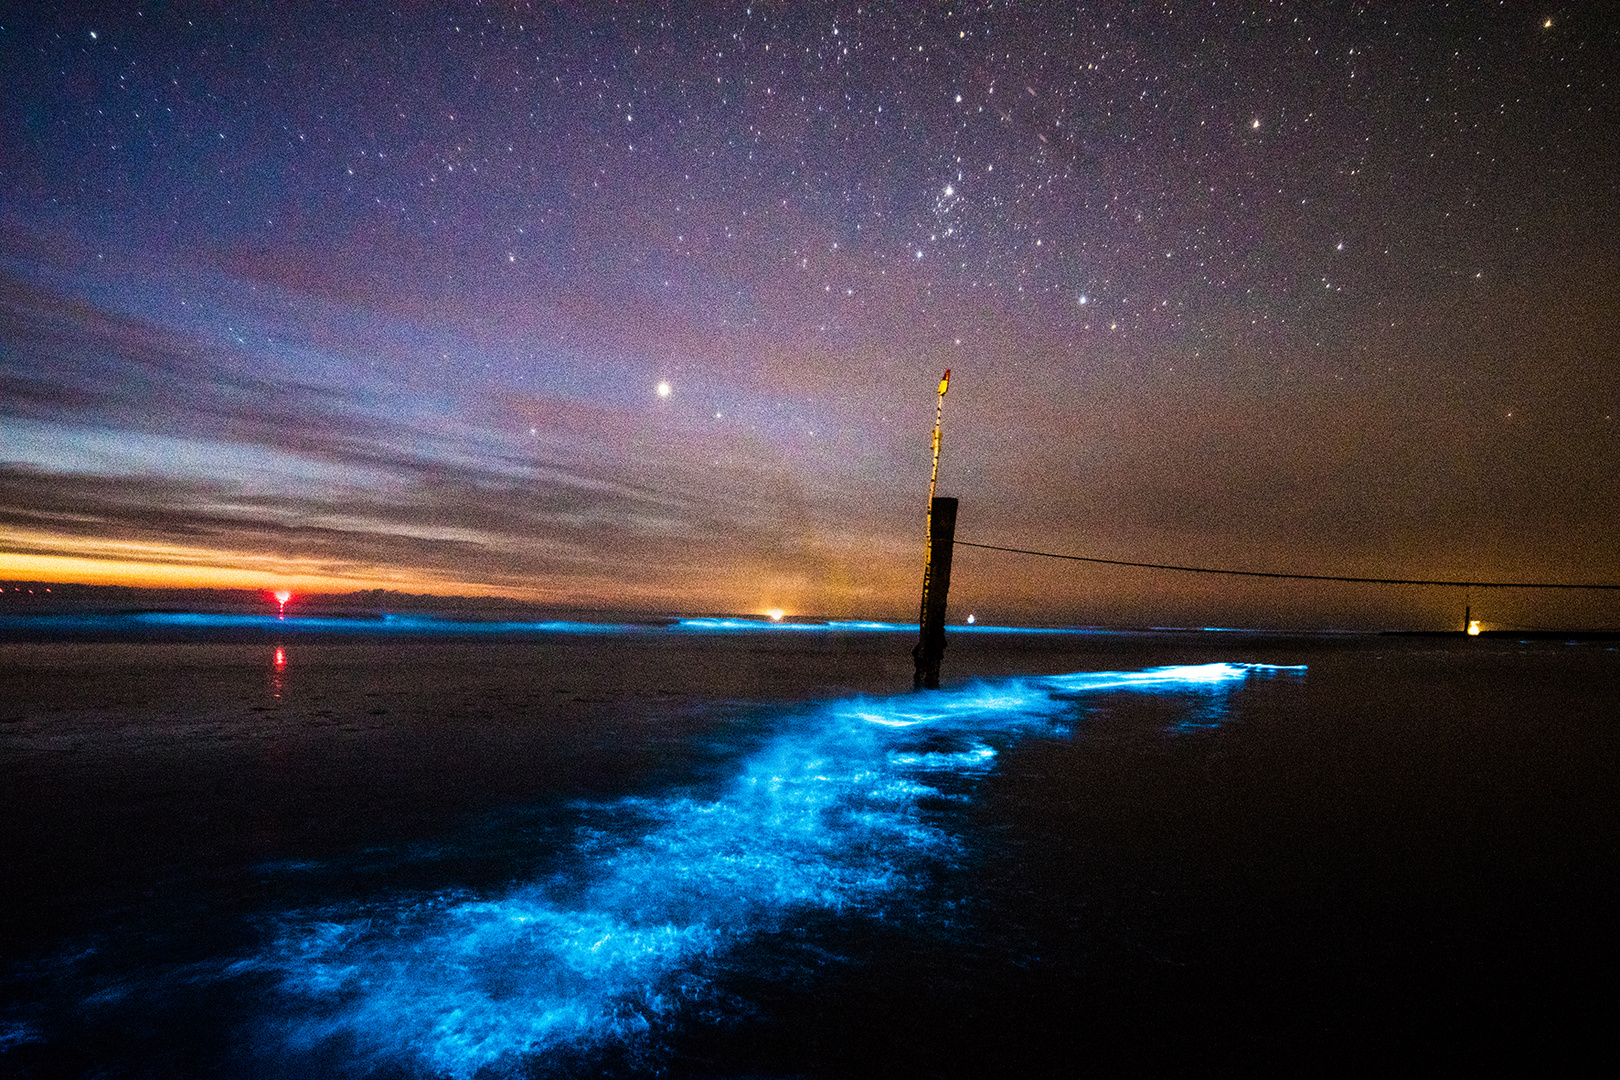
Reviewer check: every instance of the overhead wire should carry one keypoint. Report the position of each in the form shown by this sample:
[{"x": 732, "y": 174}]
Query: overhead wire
[{"x": 1296, "y": 577}]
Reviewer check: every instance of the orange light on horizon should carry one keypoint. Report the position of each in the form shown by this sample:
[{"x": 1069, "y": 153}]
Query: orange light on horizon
[
  {"x": 151, "y": 566},
  {"x": 776, "y": 614}
]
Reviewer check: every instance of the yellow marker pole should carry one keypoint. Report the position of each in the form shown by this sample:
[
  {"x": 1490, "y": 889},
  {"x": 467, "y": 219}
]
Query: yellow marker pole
[
  {"x": 936, "y": 568},
  {"x": 933, "y": 478}
]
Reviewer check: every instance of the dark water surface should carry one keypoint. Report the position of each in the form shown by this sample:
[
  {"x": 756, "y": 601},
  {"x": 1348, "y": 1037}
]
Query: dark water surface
[{"x": 698, "y": 852}]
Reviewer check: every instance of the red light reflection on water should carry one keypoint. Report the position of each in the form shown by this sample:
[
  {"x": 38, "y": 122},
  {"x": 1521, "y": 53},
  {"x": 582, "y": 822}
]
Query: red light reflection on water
[{"x": 277, "y": 667}]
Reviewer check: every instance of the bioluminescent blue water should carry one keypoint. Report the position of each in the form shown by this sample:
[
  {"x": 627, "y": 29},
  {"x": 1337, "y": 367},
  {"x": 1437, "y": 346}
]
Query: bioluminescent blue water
[
  {"x": 837, "y": 815},
  {"x": 418, "y": 624},
  {"x": 700, "y": 851},
  {"x": 134, "y": 622}
]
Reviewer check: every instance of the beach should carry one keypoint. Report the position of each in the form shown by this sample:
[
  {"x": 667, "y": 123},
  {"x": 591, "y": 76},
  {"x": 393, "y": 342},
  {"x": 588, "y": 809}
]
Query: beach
[{"x": 251, "y": 847}]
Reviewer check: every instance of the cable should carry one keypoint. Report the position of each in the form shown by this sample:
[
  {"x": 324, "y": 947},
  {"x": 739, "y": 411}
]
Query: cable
[{"x": 1295, "y": 577}]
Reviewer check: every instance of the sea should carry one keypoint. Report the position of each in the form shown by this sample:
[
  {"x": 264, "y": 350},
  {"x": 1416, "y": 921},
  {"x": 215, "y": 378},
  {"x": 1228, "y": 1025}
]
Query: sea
[{"x": 409, "y": 846}]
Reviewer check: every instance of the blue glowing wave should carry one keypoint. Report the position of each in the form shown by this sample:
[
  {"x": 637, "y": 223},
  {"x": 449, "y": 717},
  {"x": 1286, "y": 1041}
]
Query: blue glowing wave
[
  {"x": 427, "y": 624},
  {"x": 837, "y": 815},
  {"x": 128, "y": 622}
]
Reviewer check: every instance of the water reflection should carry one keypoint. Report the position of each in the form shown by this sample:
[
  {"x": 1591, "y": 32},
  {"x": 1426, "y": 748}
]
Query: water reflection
[
  {"x": 278, "y": 668},
  {"x": 1203, "y": 712}
]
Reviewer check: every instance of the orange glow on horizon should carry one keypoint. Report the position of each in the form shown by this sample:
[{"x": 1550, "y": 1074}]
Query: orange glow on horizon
[
  {"x": 154, "y": 571},
  {"x": 599, "y": 585}
]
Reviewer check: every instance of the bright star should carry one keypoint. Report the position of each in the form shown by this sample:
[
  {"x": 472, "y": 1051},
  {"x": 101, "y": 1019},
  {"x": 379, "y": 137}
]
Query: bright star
[{"x": 663, "y": 389}]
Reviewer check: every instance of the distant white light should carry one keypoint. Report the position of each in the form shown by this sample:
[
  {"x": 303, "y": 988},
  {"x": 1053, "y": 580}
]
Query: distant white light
[
  {"x": 776, "y": 614},
  {"x": 664, "y": 390},
  {"x": 971, "y": 620},
  {"x": 1255, "y": 123}
]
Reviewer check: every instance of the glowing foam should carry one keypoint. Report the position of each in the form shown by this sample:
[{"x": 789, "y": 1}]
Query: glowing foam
[{"x": 827, "y": 817}]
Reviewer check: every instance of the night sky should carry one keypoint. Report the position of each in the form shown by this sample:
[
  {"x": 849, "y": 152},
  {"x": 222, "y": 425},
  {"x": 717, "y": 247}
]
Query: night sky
[{"x": 356, "y": 295}]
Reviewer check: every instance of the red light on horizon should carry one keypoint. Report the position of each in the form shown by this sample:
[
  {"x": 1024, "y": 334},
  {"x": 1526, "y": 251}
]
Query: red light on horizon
[{"x": 282, "y": 596}]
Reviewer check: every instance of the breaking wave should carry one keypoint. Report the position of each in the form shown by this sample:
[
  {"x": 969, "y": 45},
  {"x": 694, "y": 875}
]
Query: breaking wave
[{"x": 842, "y": 813}]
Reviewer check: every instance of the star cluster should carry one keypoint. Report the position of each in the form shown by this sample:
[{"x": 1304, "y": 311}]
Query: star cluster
[{"x": 642, "y": 306}]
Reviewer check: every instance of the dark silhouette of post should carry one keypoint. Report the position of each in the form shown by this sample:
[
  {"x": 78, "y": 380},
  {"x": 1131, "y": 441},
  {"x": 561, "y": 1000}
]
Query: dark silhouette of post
[{"x": 936, "y": 584}]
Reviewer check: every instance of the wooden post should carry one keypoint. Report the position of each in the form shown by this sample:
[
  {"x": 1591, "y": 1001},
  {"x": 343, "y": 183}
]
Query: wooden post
[{"x": 936, "y": 584}]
